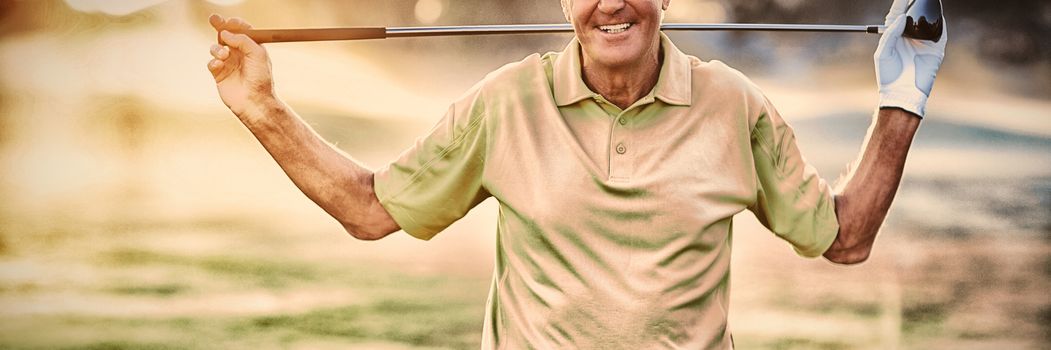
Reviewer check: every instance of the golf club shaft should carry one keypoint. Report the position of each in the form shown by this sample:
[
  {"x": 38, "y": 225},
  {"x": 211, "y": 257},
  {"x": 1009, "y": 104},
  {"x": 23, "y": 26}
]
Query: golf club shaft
[{"x": 364, "y": 33}]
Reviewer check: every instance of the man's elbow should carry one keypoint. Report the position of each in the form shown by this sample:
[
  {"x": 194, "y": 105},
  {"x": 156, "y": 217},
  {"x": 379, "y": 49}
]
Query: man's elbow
[
  {"x": 858, "y": 228},
  {"x": 367, "y": 232},
  {"x": 848, "y": 256},
  {"x": 371, "y": 223},
  {"x": 851, "y": 247}
]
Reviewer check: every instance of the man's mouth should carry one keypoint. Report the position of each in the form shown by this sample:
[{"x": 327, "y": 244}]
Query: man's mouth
[{"x": 615, "y": 28}]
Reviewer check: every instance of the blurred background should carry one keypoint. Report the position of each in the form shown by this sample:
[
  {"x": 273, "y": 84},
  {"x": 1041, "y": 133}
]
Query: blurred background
[{"x": 137, "y": 212}]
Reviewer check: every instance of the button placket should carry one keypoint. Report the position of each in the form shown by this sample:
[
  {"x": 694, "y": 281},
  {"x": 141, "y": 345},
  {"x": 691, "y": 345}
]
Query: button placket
[{"x": 621, "y": 164}]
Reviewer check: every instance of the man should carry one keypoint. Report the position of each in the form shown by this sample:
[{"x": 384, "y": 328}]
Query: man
[{"x": 618, "y": 164}]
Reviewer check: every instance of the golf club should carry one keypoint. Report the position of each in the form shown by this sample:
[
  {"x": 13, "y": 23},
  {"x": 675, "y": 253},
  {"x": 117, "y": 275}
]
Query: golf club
[
  {"x": 364, "y": 33},
  {"x": 924, "y": 22}
]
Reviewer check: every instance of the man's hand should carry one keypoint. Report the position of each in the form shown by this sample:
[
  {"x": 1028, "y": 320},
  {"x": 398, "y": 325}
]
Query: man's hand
[
  {"x": 241, "y": 68},
  {"x": 905, "y": 68}
]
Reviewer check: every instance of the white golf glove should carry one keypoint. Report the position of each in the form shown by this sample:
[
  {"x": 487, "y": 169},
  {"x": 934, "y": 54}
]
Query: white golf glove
[{"x": 905, "y": 67}]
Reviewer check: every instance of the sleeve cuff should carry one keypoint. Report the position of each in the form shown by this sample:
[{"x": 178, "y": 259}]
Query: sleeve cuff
[
  {"x": 400, "y": 215},
  {"x": 913, "y": 103},
  {"x": 819, "y": 249},
  {"x": 826, "y": 230}
]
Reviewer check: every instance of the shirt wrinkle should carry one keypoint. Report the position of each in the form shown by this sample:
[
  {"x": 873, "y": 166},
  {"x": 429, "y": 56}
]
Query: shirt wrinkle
[
  {"x": 445, "y": 151},
  {"x": 586, "y": 262}
]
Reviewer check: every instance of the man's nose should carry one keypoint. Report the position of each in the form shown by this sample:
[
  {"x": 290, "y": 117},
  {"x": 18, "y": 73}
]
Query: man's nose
[{"x": 610, "y": 6}]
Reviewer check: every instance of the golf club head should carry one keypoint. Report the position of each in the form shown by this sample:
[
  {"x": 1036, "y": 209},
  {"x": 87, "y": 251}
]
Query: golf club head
[{"x": 923, "y": 20}]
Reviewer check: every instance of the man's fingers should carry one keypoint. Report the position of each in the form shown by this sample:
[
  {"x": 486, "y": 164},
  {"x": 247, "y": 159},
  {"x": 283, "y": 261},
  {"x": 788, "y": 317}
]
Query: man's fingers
[
  {"x": 216, "y": 21},
  {"x": 234, "y": 24},
  {"x": 214, "y": 50},
  {"x": 215, "y": 66},
  {"x": 220, "y": 52},
  {"x": 221, "y": 69},
  {"x": 237, "y": 25},
  {"x": 240, "y": 42}
]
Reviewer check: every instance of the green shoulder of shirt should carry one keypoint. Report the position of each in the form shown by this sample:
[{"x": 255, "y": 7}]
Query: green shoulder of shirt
[{"x": 439, "y": 179}]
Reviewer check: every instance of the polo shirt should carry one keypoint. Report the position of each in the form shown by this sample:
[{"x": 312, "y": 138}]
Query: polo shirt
[{"x": 615, "y": 226}]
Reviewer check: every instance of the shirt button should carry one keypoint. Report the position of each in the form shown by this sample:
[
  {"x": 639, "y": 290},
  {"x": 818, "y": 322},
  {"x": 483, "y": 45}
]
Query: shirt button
[
  {"x": 622, "y": 121},
  {"x": 621, "y": 149}
]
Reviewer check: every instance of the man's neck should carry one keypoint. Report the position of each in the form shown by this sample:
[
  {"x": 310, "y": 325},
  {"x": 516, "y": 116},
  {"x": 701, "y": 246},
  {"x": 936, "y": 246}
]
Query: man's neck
[{"x": 624, "y": 85}]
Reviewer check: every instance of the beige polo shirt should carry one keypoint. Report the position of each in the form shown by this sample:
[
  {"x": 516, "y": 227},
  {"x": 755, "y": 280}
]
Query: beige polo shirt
[{"x": 615, "y": 225}]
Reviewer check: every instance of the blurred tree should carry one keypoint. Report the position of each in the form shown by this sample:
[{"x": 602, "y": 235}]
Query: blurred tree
[
  {"x": 1010, "y": 31},
  {"x": 1006, "y": 31}
]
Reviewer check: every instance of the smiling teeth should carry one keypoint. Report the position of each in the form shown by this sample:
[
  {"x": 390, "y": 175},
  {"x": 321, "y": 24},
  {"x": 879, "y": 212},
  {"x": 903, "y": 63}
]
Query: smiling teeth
[{"x": 615, "y": 28}]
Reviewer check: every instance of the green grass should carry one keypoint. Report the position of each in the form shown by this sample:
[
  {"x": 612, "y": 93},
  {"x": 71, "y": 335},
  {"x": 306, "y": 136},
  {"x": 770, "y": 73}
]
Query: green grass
[
  {"x": 924, "y": 319},
  {"x": 452, "y": 324},
  {"x": 440, "y": 320},
  {"x": 166, "y": 289},
  {"x": 419, "y": 323},
  {"x": 122, "y": 345},
  {"x": 807, "y": 344},
  {"x": 276, "y": 273},
  {"x": 382, "y": 306}
]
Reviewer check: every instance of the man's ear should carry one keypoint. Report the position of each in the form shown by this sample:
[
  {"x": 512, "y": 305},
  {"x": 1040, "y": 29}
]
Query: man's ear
[
  {"x": 664, "y": 4},
  {"x": 567, "y": 8}
]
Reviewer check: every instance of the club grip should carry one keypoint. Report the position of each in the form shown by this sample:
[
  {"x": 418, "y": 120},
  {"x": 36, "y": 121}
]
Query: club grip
[{"x": 316, "y": 34}]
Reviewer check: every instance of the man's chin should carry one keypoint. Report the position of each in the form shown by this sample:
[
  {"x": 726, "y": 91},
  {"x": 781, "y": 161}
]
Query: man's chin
[{"x": 615, "y": 57}]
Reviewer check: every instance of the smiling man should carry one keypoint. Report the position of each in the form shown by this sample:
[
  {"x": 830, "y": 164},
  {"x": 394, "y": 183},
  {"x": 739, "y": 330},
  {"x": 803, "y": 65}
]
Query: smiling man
[{"x": 618, "y": 164}]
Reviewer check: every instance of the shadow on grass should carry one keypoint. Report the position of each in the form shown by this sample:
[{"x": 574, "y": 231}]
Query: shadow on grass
[
  {"x": 437, "y": 323},
  {"x": 121, "y": 345},
  {"x": 415, "y": 322},
  {"x": 382, "y": 306},
  {"x": 167, "y": 289},
  {"x": 808, "y": 344},
  {"x": 268, "y": 274}
]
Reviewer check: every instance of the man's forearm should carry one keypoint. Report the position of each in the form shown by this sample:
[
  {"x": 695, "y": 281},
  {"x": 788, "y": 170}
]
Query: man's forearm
[
  {"x": 337, "y": 183},
  {"x": 864, "y": 195}
]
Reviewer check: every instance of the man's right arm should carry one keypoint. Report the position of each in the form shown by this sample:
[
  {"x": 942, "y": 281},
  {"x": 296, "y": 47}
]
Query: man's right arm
[{"x": 338, "y": 184}]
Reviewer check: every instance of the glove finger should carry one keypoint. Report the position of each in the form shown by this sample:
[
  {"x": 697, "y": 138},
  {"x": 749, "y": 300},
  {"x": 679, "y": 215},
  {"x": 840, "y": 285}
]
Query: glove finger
[
  {"x": 891, "y": 35},
  {"x": 898, "y": 8},
  {"x": 945, "y": 32},
  {"x": 940, "y": 45}
]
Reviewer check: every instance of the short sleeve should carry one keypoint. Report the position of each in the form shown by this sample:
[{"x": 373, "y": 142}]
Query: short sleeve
[
  {"x": 792, "y": 200},
  {"x": 439, "y": 179}
]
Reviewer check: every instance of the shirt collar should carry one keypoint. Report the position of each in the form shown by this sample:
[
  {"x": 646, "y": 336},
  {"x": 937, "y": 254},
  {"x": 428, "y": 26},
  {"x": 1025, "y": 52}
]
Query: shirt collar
[{"x": 673, "y": 84}]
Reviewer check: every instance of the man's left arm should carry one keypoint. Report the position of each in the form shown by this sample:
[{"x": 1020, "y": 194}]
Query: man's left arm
[
  {"x": 905, "y": 70},
  {"x": 864, "y": 195}
]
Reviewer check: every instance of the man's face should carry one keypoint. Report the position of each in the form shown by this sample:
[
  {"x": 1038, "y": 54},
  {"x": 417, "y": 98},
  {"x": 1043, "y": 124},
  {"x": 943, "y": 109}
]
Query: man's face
[{"x": 616, "y": 33}]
